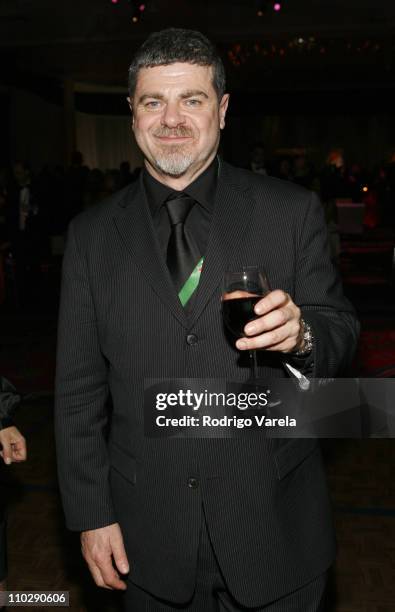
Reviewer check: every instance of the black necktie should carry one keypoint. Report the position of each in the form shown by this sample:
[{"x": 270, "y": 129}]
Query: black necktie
[{"x": 182, "y": 254}]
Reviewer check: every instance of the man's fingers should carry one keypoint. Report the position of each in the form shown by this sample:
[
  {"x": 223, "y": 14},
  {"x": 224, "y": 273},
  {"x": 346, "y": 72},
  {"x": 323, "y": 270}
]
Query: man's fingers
[
  {"x": 103, "y": 572},
  {"x": 22, "y": 449},
  {"x": 98, "y": 547},
  {"x": 278, "y": 327},
  {"x": 6, "y": 453},
  {"x": 119, "y": 554},
  {"x": 96, "y": 574},
  {"x": 13, "y": 444},
  {"x": 283, "y": 338},
  {"x": 109, "y": 574},
  {"x": 18, "y": 450},
  {"x": 263, "y": 341},
  {"x": 274, "y": 299},
  {"x": 273, "y": 319}
]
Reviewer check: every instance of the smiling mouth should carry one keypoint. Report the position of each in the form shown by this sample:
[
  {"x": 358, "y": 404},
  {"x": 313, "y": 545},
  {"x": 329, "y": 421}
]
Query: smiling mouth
[{"x": 172, "y": 138}]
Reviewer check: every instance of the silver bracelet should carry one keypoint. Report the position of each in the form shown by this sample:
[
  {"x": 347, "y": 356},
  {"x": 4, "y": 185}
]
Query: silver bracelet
[{"x": 308, "y": 340}]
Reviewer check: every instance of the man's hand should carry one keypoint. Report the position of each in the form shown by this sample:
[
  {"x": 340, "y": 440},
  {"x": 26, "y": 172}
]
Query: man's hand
[
  {"x": 278, "y": 326},
  {"x": 98, "y": 547},
  {"x": 13, "y": 445}
]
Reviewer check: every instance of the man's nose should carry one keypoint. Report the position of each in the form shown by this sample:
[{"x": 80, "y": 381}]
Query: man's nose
[{"x": 172, "y": 115}]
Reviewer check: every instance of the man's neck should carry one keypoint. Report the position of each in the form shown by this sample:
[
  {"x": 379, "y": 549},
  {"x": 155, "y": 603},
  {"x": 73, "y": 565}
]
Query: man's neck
[{"x": 178, "y": 183}]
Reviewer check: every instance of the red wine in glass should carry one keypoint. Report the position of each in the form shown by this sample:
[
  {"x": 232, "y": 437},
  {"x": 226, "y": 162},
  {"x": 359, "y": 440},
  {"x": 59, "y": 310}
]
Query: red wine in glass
[
  {"x": 242, "y": 289},
  {"x": 238, "y": 311}
]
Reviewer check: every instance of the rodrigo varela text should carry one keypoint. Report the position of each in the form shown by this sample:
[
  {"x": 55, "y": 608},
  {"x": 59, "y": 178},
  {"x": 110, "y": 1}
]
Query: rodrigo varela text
[{"x": 225, "y": 421}]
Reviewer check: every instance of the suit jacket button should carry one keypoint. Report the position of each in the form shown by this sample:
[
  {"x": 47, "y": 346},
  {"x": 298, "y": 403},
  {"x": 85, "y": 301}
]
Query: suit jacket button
[
  {"x": 192, "y": 339},
  {"x": 193, "y": 483}
]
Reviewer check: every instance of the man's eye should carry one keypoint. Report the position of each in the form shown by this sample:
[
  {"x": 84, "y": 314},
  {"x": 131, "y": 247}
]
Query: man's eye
[
  {"x": 193, "y": 102},
  {"x": 152, "y": 104}
]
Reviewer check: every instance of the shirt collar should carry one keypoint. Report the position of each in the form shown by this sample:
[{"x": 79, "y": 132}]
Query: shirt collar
[{"x": 202, "y": 189}]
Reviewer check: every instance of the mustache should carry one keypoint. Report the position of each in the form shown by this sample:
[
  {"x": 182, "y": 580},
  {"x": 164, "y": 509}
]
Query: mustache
[{"x": 181, "y": 132}]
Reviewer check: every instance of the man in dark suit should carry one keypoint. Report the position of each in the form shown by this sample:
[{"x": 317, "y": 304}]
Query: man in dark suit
[{"x": 219, "y": 524}]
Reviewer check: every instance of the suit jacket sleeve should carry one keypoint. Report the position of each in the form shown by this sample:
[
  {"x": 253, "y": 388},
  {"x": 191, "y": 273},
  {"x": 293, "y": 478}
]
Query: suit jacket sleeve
[
  {"x": 319, "y": 295},
  {"x": 81, "y": 411},
  {"x": 9, "y": 400}
]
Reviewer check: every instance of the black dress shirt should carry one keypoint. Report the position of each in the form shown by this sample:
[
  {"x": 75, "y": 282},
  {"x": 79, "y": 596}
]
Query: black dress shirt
[{"x": 198, "y": 222}]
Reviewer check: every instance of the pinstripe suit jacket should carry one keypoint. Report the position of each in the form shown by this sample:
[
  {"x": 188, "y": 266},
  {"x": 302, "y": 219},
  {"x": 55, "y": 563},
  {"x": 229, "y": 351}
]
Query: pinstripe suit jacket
[{"x": 266, "y": 502}]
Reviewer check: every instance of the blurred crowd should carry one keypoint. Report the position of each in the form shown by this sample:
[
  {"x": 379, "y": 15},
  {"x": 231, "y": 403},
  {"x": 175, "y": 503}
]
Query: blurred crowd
[
  {"x": 42, "y": 204},
  {"x": 337, "y": 180},
  {"x": 36, "y": 208}
]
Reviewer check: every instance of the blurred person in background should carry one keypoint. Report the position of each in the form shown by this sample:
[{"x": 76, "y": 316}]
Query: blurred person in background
[
  {"x": 334, "y": 182},
  {"x": 23, "y": 228},
  {"x": 257, "y": 159},
  {"x": 112, "y": 182},
  {"x": 284, "y": 169},
  {"x": 94, "y": 188},
  {"x": 356, "y": 179},
  {"x": 4, "y": 242},
  {"x": 13, "y": 450},
  {"x": 302, "y": 172}
]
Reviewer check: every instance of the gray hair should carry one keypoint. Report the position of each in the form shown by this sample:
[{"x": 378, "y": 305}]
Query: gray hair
[{"x": 177, "y": 45}]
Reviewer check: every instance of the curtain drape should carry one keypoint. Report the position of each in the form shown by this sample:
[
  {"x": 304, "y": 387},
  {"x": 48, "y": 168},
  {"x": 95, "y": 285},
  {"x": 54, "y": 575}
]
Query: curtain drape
[{"x": 105, "y": 141}]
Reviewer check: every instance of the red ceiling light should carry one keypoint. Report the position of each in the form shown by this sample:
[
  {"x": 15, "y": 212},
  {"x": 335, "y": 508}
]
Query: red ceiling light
[{"x": 137, "y": 7}]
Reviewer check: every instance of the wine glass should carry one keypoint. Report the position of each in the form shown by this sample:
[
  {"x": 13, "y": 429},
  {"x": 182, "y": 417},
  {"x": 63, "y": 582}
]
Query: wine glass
[{"x": 242, "y": 289}]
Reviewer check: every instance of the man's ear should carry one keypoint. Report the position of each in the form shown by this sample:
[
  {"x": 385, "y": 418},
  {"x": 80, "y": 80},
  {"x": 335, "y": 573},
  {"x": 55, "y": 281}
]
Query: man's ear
[
  {"x": 223, "y": 107},
  {"x": 130, "y": 103}
]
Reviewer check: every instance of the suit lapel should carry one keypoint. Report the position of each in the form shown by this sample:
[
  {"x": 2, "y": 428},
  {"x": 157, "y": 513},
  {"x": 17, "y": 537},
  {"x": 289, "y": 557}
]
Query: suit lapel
[
  {"x": 135, "y": 227},
  {"x": 232, "y": 212}
]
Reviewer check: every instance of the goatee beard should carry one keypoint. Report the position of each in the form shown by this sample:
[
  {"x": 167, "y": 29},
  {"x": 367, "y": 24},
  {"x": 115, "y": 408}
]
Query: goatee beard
[
  {"x": 174, "y": 164},
  {"x": 175, "y": 160}
]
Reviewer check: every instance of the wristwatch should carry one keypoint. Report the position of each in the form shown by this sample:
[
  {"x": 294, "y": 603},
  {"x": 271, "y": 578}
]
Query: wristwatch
[{"x": 308, "y": 339}]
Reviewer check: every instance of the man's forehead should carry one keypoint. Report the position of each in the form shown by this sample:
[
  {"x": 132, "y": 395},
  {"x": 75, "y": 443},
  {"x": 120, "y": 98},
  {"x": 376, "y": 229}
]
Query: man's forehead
[{"x": 175, "y": 73}]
